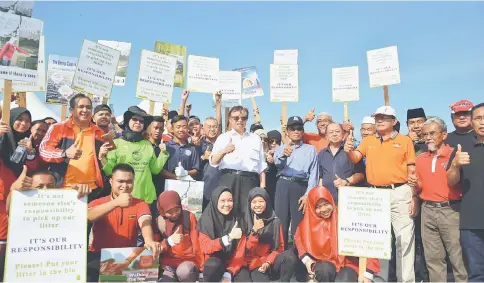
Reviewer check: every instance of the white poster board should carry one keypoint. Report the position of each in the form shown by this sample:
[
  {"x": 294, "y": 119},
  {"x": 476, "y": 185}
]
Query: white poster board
[
  {"x": 60, "y": 72},
  {"x": 96, "y": 69},
  {"x": 122, "y": 70},
  {"x": 364, "y": 222},
  {"x": 231, "y": 88},
  {"x": 156, "y": 77},
  {"x": 284, "y": 83},
  {"x": 203, "y": 74},
  {"x": 191, "y": 194},
  {"x": 47, "y": 237},
  {"x": 383, "y": 66},
  {"x": 345, "y": 84},
  {"x": 285, "y": 57}
]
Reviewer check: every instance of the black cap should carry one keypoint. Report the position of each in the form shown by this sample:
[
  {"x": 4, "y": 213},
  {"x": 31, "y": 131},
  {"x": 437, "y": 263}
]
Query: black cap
[
  {"x": 101, "y": 107},
  {"x": 274, "y": 135},
  {"x": 415, "y": 113},
  {"x": 172, "y": 114},
  {"x": 194, "y": 117},
  {"x": 295, "y": 120},
  {"x": 256, "y": 126}
]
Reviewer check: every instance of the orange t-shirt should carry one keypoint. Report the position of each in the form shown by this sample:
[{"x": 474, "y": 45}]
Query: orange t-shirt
[
  {"x": 119, "y": 228},
  {"x": 432, "y": 173},
  {"x": 387, "y": 160},
  {"x": 82, "y": 170},
  {"x": 315, "y": 140}
]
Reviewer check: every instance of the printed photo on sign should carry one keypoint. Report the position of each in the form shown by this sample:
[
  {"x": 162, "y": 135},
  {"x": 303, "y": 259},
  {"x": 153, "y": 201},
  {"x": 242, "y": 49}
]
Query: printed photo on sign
[
  {"x": 96, "y": 69},
  {"x": 345, "y": 84},
  {"x": 284, "y": 83},
  {"x": 191, "y": 194},
  {"x": 364, "y": 222},
  {"x": 19, "y": 52},
  {"x": 115, "y": 267},
  {"x": 251, "y": 86},
  {"x": 47, "y": 237},
  {"x": 122, "y": 69},
  {"x": 383, "y": 66},
  {"x": 60, "y": 72},
  {"x": 203, "y": 73},
  {"x": 21, "y": 8},
  {"x": 180, "y": 53}
]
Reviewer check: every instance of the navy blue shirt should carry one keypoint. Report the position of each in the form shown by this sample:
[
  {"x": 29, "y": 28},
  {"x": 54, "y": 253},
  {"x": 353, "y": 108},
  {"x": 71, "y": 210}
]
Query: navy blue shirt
[
  {"x": 340, "y": 165},
  {"x": 186, "y": 154}
]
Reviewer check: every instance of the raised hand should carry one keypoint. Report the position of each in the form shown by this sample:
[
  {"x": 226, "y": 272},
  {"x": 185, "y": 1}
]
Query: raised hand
[
  {"x": 185, "y": 95},
  {"x": 236, "y": 232},
  {"x": 310, "y": 116},
  {"x": 349, "y": 143},
  {"x": 230, "y": 147},
  {"x": 23, "y": 182},
  {"x": 4, "y": 128},
  {"x": 258, "y": 224},
  {"x": 288, "y": 150},
  {"x": 73, "y": 152},
  {"x": 177, "y": 236},
  {"x": 461, "y": 158},
  {"x": 123, "y": 200}
]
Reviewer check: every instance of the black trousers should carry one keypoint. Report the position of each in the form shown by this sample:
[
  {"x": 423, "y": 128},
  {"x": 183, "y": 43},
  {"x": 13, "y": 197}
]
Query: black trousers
[
  {"x": 214, "y": 269},
  {"x": 93, "y": 265},
  {"x": 240, "y": 185},
  {"x": 288, "y": 194},
  {"x": 323, "y": 272},
  {"x": 282, "y": 269},
  {"x": 421, "y": 271},
  {"x": 346, "y": 274}
]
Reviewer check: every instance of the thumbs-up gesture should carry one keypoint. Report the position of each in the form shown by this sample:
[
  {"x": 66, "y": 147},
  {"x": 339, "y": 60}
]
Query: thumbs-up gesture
[
  {"x": 461, "y": 158},
  {"x": 236, "y": 232},
  {"x": 4, "y": 128},
  {"x": 103, "y": 150},
  {"x": 162, "y": 146},
  {"x": 180, "y": 171},
  {"x": 23, "y": 182},
  {"x": 258, "y": 224},
  {"x": 310, "y": 116},
  {"x": 349, "y": 143},
  {"x": 288, "y": 150},
  {"x": 230, "y": 147},
  {"x": 176, "y": 237},
  {"x": 73, "y": 152},
  {"x": 338, "y": 182},
  {"x": 123, "y": 200}
]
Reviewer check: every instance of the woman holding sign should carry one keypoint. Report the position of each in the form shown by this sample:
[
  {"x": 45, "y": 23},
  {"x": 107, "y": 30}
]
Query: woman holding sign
[
  {"x": 316, "y": 240},
  {"x": 222, "y": 241}
]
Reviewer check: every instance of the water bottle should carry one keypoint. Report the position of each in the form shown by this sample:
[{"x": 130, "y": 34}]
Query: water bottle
[{"x": 19, "y": 155}]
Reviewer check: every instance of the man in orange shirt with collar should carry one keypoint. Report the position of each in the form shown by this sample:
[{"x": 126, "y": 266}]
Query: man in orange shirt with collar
[
  {"x": 390, "y": 164},
  {"x": 318, "y": 140}
]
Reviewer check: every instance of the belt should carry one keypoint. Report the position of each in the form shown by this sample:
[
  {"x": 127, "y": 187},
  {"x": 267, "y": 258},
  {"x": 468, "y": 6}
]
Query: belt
[
  {"x": 392, "y": 186},
  {"x": 437, "y": 204},
  {"x": 295, "y": 179},
  {"x": 241, "y": 173}
]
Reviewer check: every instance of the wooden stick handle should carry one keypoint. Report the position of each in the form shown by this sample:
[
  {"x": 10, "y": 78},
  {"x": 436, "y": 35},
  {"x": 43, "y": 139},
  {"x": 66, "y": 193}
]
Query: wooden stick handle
[
  {"x": 152, "y": 107},
  {"x": 227, "y": 124},
  {"x": 362, "y": 268},
  {"x": 256, "y": 110},
  {"x": 63, "y": 112},
  {"x": 346, "y": 116},
  {"x": 165, "y": 106},
  {"x": 7, "y": 97},
  {"x": 386, "y": 95},
  {"x": 284, "y": 113},
  {"x": 105, "y": 100}
]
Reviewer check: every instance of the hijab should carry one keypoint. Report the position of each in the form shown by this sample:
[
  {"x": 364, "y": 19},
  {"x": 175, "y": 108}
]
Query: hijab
[
  {"x": 128, "y": 134},
  {"x": 166, "y": 201},
  {"x": 270, "y": 233},
  {"x": 319, "y": 236},
  {"x": 216, "y": 225},
  {"x": 10, "y": 140}
]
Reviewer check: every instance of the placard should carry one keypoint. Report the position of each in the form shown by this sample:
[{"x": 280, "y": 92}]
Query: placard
[
  {"x": 122, "y": 69},
  {"x": 383, "y": 66},
  {"x": 230, "y": 87},
  {"x": 284, "y": 83},
  {"x": 19, "y": 52},
  {"x": 155, "y": 77},
  {"x": 285, "y": 57},
  {"x": 203, "y": 73},
  {"x": 60, "y": 72},
  {"x": 47, "y": 237},
  {"x": 346, "y": 84},
  {"x": 364, "y": 222},
  {"x": 191, "y": 194},
  {"x": 251, "y": 86},
  {"x": 96, "y": 69},
  {"x": 180, "y": 53},
  {"x": 21, "y": 8},
  {"x": 115, "y": 268}
]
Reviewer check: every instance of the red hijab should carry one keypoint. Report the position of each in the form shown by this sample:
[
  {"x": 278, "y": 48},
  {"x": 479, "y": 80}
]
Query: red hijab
[
  {"x": 166, "y": 201},
  {"x": 319, "y": 236}
]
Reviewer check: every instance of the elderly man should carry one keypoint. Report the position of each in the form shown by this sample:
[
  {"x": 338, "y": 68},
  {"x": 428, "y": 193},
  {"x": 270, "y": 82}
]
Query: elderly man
[
  {"x": 318, "y": 140},
  {"x": 461, "y": 118},
  {"x": 368, "y": 127},
  {"x": 441, "y": 205}
]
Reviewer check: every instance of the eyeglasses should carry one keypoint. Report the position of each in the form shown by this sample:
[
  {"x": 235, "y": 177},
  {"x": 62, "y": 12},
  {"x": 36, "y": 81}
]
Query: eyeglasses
[
  {"x": 295, "y": 128},
  {"x": 430, "y": 134},
  {"x": 237, "y": 118}
]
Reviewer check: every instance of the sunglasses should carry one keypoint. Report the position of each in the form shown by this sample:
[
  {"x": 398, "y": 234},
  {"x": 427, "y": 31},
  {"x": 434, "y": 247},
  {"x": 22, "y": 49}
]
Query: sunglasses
[
  {"x": 295, "y": 128},
  {"x": 138, "y": 120},
  {"x": 237, "y": 118},
  {"x": 273, "y": 141}
]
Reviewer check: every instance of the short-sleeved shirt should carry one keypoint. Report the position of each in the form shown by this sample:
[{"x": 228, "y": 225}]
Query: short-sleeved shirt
[
  {"x": 119, "y": 228},
  {"x": 420, "y": 147},
  {"x": 187, "y": 154},
  {"x": 387, "y": 160},
  {"x": 465, "y": 140},
  {"x": 472, "y": 182},
  {"x": 205, "y": 145},
  {"x": 83, "y": 169},
  {"x": 316, "y": 140},
  {"x": 330, "y": 165},
  {"x": 432, "y": 172}
]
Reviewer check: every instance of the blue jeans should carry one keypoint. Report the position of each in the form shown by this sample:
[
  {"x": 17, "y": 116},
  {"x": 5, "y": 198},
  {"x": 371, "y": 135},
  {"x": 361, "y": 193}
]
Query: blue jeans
[{"x": 472, "y": 242}]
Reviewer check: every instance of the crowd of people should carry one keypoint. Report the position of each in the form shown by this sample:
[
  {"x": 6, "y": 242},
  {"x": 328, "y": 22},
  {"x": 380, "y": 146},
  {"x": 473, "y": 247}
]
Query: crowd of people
[{"x": 270, "y": 199}]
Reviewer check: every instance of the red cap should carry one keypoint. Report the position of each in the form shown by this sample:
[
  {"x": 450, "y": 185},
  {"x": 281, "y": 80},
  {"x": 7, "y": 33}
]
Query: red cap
[{"x": 461, "y": 106}]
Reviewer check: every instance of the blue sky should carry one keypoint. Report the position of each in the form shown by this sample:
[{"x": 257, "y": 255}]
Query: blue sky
[{"x": 440, "y": 44}]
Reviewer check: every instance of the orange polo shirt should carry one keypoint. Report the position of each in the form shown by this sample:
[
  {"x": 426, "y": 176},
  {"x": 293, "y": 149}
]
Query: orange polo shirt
[
  {"x": 119, "y": 228},
  {"x": 432, "y": 173},
  {"x": 83, "y": 170},
  {"x": 315, "y": 140},
  {"x": 387, "y": 160}
]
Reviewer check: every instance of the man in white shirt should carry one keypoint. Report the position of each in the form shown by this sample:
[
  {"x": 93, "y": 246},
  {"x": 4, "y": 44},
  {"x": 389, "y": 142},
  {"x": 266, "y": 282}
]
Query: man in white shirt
[{"x": 240, "y": 157}]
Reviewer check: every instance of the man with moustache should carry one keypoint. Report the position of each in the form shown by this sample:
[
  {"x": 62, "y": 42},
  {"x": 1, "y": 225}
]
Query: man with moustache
[
  {"x": 102, "y": 117},
  {"x": 318, "y": 140},
  {"x": 415, "y": 120}
]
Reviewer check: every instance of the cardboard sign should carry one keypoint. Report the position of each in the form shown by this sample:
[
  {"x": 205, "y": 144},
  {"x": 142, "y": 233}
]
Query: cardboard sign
[
  {"x": 122, "y": 70},
  {"x": 60, "y": 72},
  {"x": 284, "y": 83},
  {"x": 203, "y": 73},
  {"x": 345, "y": 84},
  {"x": 115, "y": 268},
  {"x": 383, "y": 66},
  {"x": 180, "y": 53}
]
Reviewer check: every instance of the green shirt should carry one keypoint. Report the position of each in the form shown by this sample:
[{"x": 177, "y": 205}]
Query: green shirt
[{"x": 141, "y": 156}]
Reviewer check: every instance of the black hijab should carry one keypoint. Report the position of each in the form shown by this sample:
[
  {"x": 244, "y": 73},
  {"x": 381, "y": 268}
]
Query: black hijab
[
  {"x": 216, "y": 225},
  {"x": 10, "y": 140},
  {"x": 128, "y": 134},
  {"x": 272, "y": 225}
]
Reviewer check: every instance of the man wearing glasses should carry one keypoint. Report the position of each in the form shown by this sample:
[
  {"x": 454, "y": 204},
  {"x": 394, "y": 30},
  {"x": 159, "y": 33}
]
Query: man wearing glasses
[
  {"x": 297, "y": 169},
  {"x": 241, "y": 159}
]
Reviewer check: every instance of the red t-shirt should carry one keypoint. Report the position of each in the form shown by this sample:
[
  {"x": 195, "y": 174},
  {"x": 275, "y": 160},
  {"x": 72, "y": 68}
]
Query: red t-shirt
[{"x": 119, "y": 228}]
